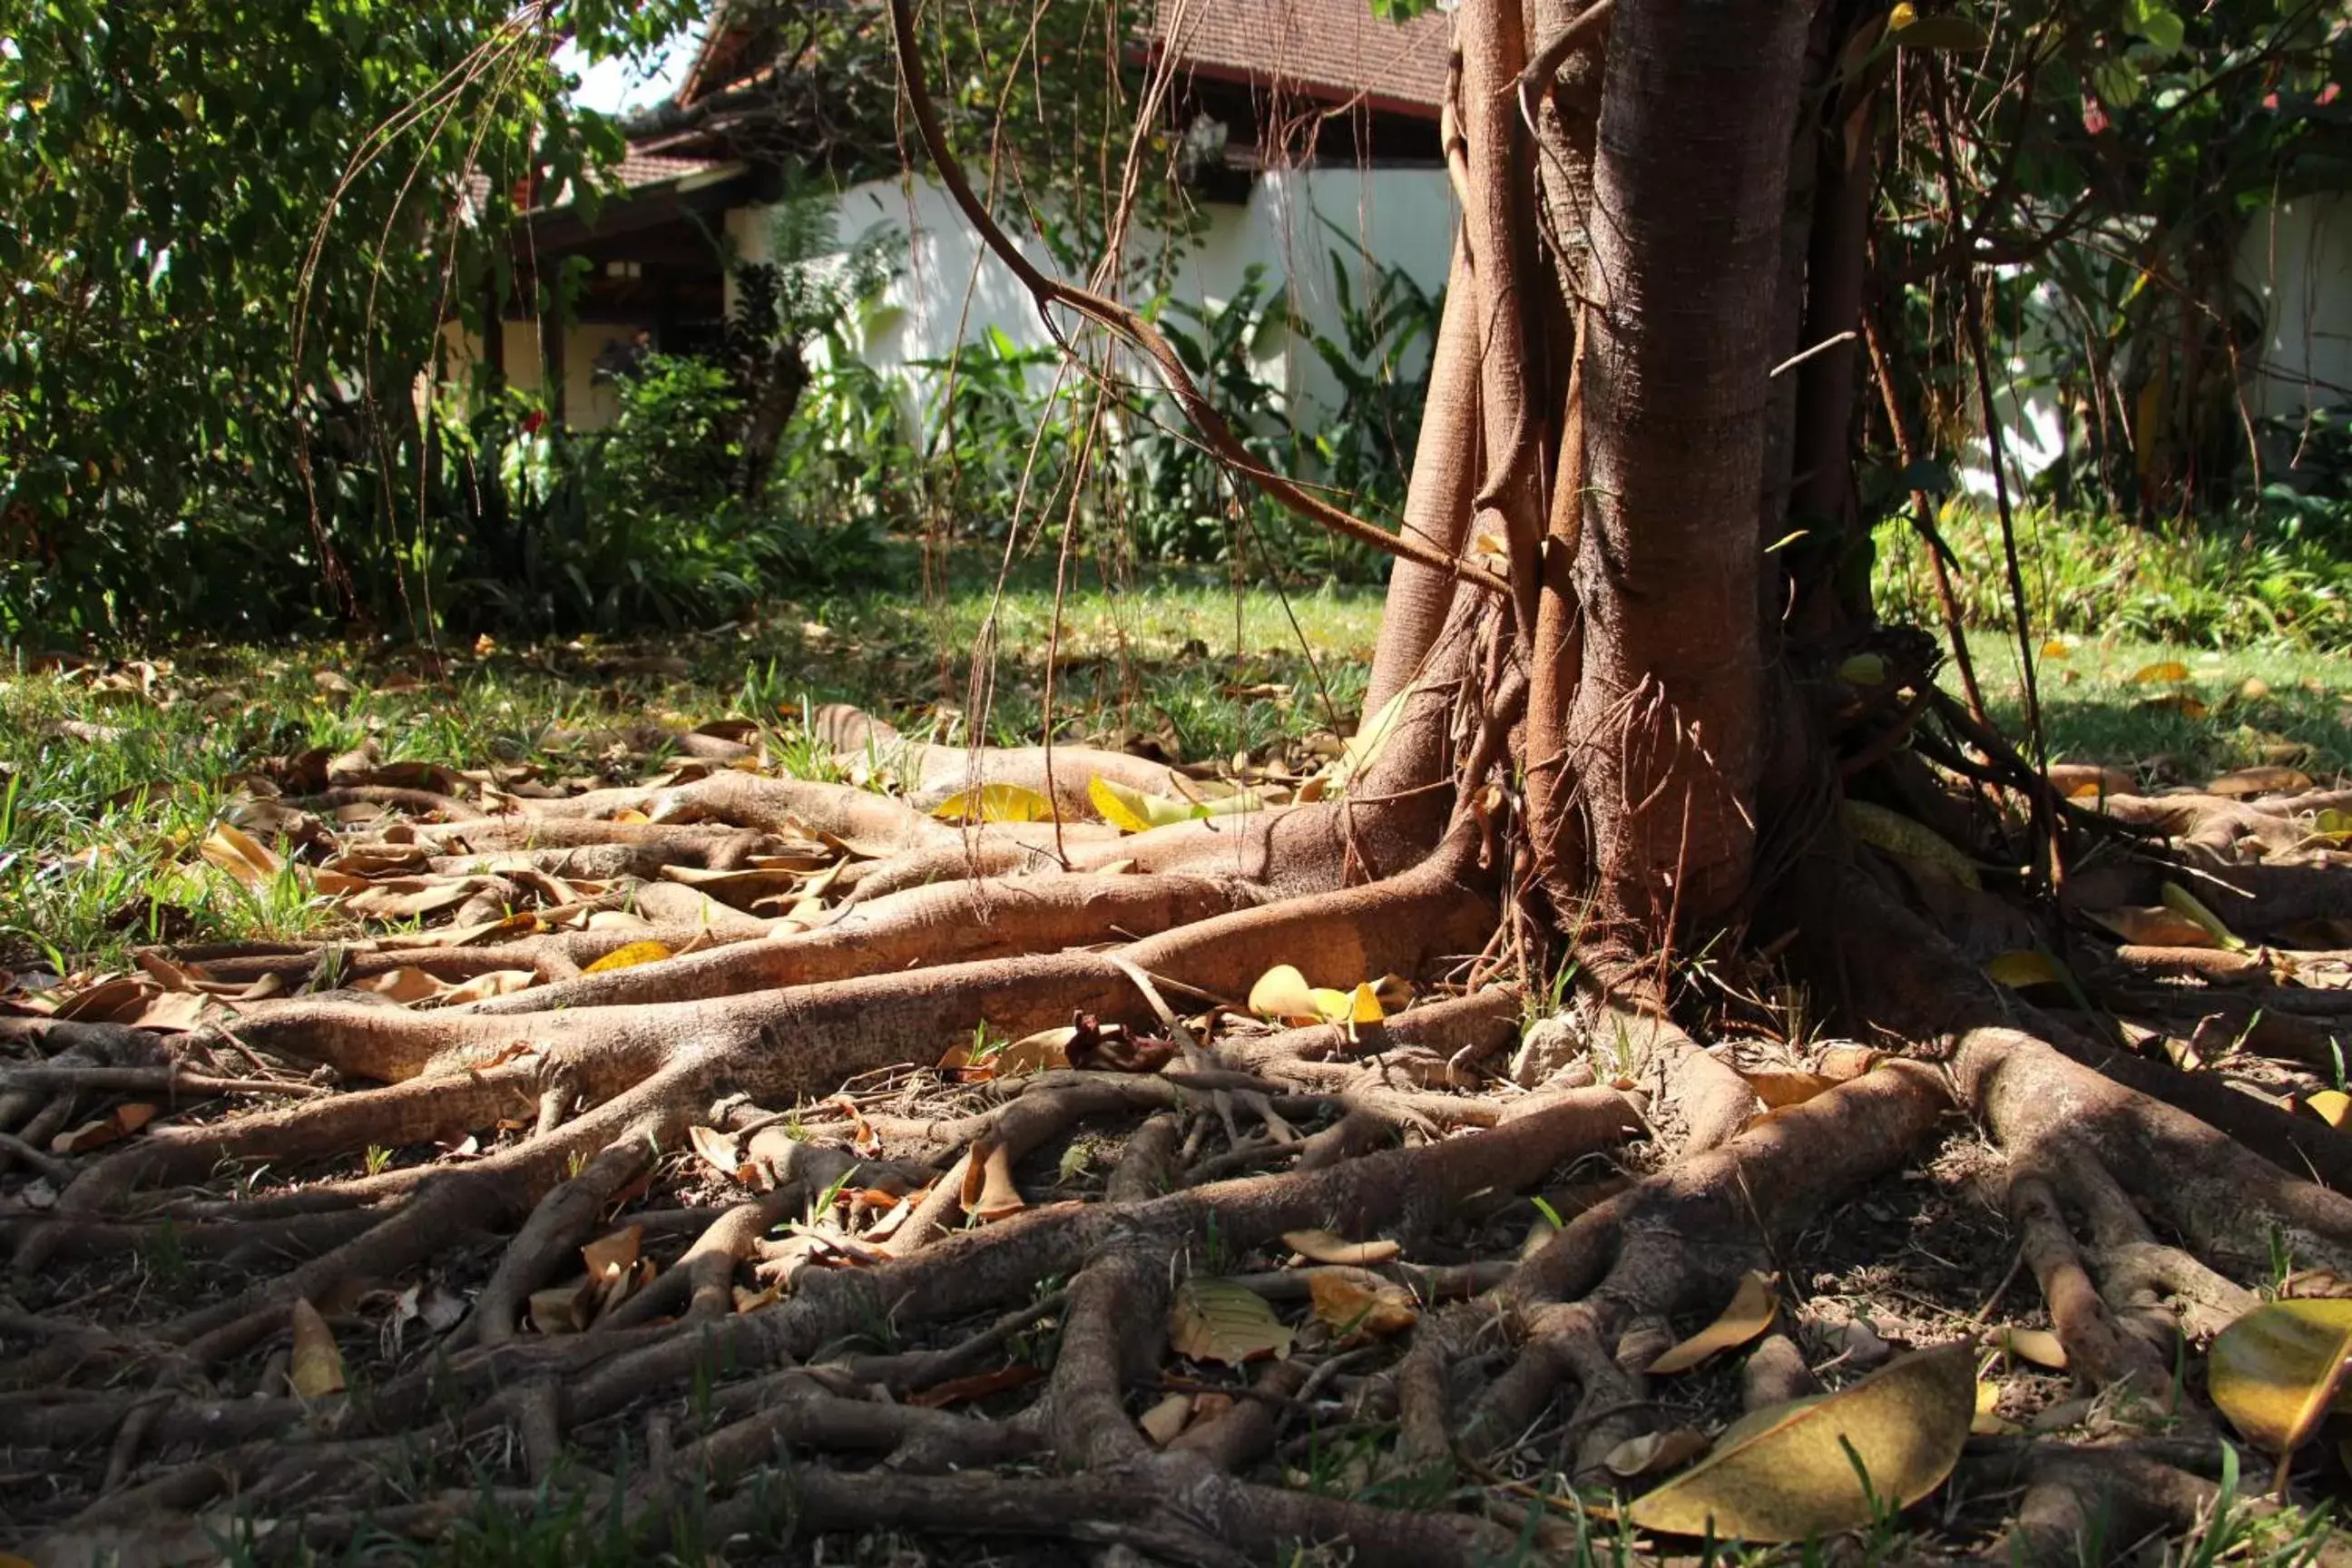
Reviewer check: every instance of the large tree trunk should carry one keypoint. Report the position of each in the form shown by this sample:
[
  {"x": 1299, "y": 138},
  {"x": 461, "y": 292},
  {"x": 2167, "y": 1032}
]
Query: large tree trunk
[{"x": 1664, "y": 735}]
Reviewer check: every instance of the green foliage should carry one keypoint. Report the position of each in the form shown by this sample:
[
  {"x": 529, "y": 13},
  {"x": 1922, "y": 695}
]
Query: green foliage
[
  {"x": 227, "y": 234},
  {"x": 2253, "y": 581}
]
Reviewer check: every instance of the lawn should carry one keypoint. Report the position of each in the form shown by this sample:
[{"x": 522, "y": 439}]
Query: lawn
[{"x": 110, "y": 774}]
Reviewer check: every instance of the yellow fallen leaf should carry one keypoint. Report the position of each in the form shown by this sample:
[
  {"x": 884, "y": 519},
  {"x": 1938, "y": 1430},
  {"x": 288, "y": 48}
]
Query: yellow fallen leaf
[
  {"x": 2274, "y": 1372},
  {"x": 2331, "y": 1106},
  {"x": 2162, "y": 672},
  {"x": 1916, "y": 842},
  {"x": 1988, "y": 1421},
  {"x": 629, "y": 955},
  {"x": 1282, "y": 994},
  {"x": 1789, "y": 1473},
  {"x": 2039, "y": 1346},
  {"x": 2023, "y": 968},
  {"x": 2154, "y": 926},
  {"x": 1132, "y": 810},
  {"x": 1323, "y": 1246},
  {"x": 1753, "y": 1306},
  {"x": 316, "y": 1369},
  {"x": 1352, "y": 1301},
  {"x": 1216, "y": 1320},
  {"x": 2181, "y": 901},
  {"x": 2057, "y": 648},
  {"x": 996, "y": 803},
  {"x": 234, "y": 851}
]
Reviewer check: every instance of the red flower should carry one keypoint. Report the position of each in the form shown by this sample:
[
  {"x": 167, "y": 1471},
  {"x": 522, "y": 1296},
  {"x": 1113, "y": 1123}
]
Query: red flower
[
  {"x": 533, "y": 420},
  {"x": 2095, "y": 116}
]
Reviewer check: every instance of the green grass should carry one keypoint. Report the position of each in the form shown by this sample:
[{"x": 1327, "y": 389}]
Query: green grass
[
  {"x": 97, "y": 836},
  {"x": 2299, "y": 713},
  {"x": 98, "y": 829}
]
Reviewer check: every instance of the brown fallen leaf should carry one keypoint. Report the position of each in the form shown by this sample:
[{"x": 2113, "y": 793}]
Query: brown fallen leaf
[
  {"x": 2154, "y": 926},
  {"x": 565, "y": 1308},
  {"x": 610, "y": 1257},
  {"x": 1353, "y": 1302},
  {"x": 245, "y": 859},
  {"x": 979, "y": 1385},
  {"x": 1166, "y": 1419},
  {"x": 112, "y": 1128},
  {"x": 405, "y": 985},
  {"x": 1323, "y": 1246},
  {"x": 2246, "y": 783}
]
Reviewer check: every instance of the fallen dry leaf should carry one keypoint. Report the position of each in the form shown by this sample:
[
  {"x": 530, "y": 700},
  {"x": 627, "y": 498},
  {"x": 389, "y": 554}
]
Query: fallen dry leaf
[
  {"x": 1323, "y": 1246},
  {"x": 2275, "y": 1371},
  {"x": 1654, "y": 1453},
  {"x": 245, "y": 859},
  {"x": 1351, "y": 1301},
  {"x": 1167, "y": 1419},
  {"x": 317, "y": 1366},
  {"x": 1753, "y": 1306},
  {"x": 1216, "y": 1320},
  {"x": 1789, "y": 1472}
]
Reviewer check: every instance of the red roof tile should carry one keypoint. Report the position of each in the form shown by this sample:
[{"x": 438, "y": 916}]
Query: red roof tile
[{"x": 1325, "y": 48}]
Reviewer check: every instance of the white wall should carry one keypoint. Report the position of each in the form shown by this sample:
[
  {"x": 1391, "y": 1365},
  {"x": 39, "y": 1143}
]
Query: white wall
[
  {"x": 952, "y": 291},
  {"x": 2298, "y": 259}
]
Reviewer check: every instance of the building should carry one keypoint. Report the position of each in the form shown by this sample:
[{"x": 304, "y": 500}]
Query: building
[{"x": 1317, "y": 126}]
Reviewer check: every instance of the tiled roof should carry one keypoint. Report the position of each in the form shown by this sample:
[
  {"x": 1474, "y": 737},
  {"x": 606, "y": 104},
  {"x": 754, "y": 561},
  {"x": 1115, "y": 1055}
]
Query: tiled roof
[
  {"x": 639, "y": 168},
  {"x": 1325, "y": 49}
]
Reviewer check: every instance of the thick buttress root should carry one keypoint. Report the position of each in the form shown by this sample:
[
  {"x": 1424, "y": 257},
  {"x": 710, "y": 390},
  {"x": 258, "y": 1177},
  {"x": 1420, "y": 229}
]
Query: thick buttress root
[{"x": 885, "y": 1271}]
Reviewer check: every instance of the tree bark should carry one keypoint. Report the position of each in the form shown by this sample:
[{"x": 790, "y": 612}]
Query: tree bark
[{"x": 1666, "y": 734}]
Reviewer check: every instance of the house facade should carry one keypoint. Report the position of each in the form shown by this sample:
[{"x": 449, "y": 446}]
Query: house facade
[{"x": 1366, "y": 180}]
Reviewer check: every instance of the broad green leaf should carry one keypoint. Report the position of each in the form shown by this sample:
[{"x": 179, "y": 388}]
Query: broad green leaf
[
  {"x": 1216, "y": 1320},
  {"x": 2274, "y": 1371},
  {"x": 1751, "y": 1311},
  {"x": 996, "y": 803},
  {"x": 1795, "y": 1472}
]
